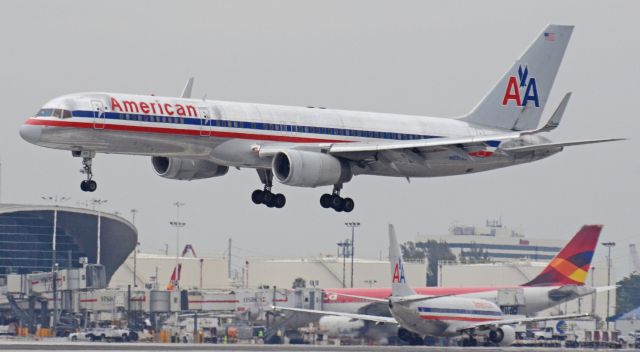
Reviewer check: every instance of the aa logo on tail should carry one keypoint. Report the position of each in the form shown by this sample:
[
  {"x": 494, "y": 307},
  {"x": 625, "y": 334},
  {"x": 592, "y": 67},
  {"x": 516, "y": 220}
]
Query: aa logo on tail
[
  {"x": 521, "y": 89},
  {"x": 398, "y": 274}
]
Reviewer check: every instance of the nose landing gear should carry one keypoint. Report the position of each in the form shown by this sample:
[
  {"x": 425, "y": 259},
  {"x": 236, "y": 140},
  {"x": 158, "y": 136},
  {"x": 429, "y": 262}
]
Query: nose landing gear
[
  {"x": 336, "y": 202},
  {"x": 88, "y": 185}
]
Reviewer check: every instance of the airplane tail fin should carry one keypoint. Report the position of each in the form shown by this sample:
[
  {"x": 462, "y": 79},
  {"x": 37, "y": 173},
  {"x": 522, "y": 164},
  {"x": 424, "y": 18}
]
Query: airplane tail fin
[
  {"x": 571, "y": 265},
  {"x": 518, "y": 100},
  {"x": 399, "y": 286}
]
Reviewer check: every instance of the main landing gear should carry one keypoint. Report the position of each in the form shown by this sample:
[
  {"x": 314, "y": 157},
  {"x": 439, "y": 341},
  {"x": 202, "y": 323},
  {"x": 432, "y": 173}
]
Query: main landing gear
[
  {"x": 265, "y": 196},
  {"x": 336, "y": 202},
  {"x": 88, "y": 185}
]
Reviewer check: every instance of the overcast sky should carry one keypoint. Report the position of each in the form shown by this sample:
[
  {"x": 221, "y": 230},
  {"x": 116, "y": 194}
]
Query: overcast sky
[{"x": 434, "y": 58}]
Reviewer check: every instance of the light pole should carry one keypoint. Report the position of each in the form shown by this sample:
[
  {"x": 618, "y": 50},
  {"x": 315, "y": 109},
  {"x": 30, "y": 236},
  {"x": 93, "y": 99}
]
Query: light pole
[
  {"x": 54, "y": 265},
  {"x": 609, "y": 245},
  {"x": 353, "y": 226},
  {"x": 343, "y": 246},
  {"x": 96, "y": 203},
  {"x": 177, "y": 224}
]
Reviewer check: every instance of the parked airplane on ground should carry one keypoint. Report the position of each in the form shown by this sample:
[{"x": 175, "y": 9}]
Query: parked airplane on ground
[
  {"x": 443, "y": 315},
  {"x": 190, "y": 139},
  {"x": 561, "y": 280}
]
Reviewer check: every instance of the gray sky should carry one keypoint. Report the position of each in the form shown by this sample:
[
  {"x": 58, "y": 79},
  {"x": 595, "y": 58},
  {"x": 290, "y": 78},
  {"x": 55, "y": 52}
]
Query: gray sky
[{"x": 434, "y": 58}]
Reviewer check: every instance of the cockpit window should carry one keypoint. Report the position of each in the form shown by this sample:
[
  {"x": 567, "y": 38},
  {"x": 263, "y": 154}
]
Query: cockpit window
[
  {"x": 59, "y": 113},
  {"x": 45, "y": 112}
]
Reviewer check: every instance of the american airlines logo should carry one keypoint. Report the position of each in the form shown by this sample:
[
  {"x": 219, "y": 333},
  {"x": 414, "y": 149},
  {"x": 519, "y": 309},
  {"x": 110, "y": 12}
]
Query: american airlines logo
[
  {"x": 398, "y": 273},
  {"x": 516, "y": 86},
  {"x": 154, "y": 107}
]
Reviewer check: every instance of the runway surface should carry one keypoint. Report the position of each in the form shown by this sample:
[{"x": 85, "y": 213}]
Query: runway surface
[{"x": 97, "y": 346}]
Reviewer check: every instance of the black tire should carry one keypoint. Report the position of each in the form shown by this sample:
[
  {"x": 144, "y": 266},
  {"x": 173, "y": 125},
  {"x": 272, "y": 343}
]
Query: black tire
[
  {"x": 325, "y": 200},
  {"x": 74, "y": 338},
  {"x": 279, "y": 200},
  {"x": 92, "y": 185},
  {"x": 91, "y": 337},
  {"x": 125, "y": 338},
  {"x": 103, "y": 337},
  {"x": 336, "y": 202},
  {"x": 83, "y": 186},
  {"x": 267, "y": 197},
  {"x": 348, "y": 204},
  {"x": 257, "y": 196}
]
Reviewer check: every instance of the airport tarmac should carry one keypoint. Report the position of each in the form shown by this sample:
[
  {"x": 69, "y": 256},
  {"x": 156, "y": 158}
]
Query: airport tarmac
[{"x": 68, "y": 346}]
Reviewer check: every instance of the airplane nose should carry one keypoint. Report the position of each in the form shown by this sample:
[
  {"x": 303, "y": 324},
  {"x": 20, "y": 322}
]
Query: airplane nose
[{"x": 31, "y": 133}]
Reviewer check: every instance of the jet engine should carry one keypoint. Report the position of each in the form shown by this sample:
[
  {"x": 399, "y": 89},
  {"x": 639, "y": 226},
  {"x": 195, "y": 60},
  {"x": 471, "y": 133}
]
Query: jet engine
[
  {"x": 186, "y": 169},
  {"x": 309, "y": 169},
  {"x": 503, "y": 336}
]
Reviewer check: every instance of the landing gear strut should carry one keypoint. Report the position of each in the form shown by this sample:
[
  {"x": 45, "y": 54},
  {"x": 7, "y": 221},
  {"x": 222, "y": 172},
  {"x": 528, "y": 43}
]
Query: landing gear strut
[
  {"x": 88, "y": 185},
  {"x": 336, "y": 202},
  {"x": 265, "y": 196}
]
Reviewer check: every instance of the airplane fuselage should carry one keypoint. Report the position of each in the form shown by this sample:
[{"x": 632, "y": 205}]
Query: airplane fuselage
[{"x": 231, "y": 134}]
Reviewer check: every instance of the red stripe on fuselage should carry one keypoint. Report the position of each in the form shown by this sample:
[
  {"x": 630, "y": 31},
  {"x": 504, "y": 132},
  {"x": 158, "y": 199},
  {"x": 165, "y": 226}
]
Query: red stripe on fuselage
[
  {"x": 446, "y": 317},
  {"x": 179, "y": 131},
  {"x": 383, "y": 293}
]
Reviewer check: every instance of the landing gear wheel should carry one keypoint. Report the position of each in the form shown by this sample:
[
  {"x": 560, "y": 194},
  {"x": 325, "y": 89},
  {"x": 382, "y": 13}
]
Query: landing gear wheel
[
  {"x": 325, "y": 200},
  {"x": 83, "y": 186},
  {"x": 92, "y": 186},
  {"x": 336, "y": 202},
  {"x": 267, "y": 198},
  {"x": 347, "y": 205},
  {"x": 257, "y": 196},
  {"x": 279, "y": 200}
]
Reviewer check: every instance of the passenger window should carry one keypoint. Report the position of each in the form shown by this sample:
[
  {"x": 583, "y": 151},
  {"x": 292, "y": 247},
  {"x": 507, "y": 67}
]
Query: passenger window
[{"x": 66, "y": 114}]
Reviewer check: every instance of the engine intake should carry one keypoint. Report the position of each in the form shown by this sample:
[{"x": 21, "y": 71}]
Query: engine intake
[
  {"x": 503, "y": 336},
  {"x": 309, "y": 169},
  {"x": 186, "y": 169}
]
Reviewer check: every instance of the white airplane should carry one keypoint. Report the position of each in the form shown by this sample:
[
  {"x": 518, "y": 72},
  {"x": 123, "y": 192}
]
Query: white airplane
[
  {"x": 190, "y": 139},
  {"x": 447, "y": 315}
]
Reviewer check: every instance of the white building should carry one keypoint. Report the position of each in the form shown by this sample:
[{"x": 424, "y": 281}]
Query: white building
[
  {"x": 499, "y": 242},
  {"x": 519, "y": 272},
  {"x": 327, "y": 272},
  {"x": 201, "y": 273}
]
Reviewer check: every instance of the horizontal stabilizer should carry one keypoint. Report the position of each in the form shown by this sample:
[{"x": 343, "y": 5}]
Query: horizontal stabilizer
[{"x": 545, "y": 146}]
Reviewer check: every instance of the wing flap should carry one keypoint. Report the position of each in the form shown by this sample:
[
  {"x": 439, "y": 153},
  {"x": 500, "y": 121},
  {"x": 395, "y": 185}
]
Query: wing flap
[
  {"x": 376, "y": 146},
  {"x": 545, "y": 146}
]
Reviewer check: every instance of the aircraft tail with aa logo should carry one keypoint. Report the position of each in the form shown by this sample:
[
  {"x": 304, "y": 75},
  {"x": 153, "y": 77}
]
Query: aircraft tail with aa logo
[
  {"x": 518, "y": 100},
  {"x": 571, "y": 265},
  {"x": 399, "y": 285}
]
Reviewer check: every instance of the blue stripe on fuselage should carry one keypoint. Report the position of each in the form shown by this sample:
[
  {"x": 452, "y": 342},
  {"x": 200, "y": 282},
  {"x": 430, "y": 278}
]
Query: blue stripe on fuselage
[{"x": 262, "y": 126}]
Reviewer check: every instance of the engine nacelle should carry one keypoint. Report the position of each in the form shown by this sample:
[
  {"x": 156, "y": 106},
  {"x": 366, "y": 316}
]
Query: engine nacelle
[
  {"x": 503, "y": 336},
  {"x": 186, "y": 169},
  {"x": 309, "y": 169},
  {"x": 339, "y": 326}
]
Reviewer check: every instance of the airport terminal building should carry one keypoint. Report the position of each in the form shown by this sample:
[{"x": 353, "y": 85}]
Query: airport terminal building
[{"x": 26, "y": 238}]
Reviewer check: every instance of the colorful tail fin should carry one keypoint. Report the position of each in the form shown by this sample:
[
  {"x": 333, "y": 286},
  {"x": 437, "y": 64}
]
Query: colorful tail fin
[
  {"x": 399, "y": 286},
  {"x": 571, "y": 265},
  {"x": 517, "y": 101}
]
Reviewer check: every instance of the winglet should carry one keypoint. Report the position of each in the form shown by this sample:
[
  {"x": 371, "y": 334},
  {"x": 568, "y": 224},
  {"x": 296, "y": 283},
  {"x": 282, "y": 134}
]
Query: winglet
[
  {"x": 186, "y": 91},
  {"x": 554, "y": 121}
]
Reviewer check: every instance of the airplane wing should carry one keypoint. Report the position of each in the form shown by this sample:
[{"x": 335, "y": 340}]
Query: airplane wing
[
  {"x": 364, "y": 298},
  {"x": 544, "y": 146},
  {"x": 375, "y": 146},
  {"x": 373, "y": 318},
  {"x": 492, "y": 324}
]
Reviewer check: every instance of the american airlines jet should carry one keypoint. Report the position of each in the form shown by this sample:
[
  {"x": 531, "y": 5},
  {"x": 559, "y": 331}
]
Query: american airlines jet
[
  {"x": 440, "y": 315},
  {"x": 189, "y": 139}
]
